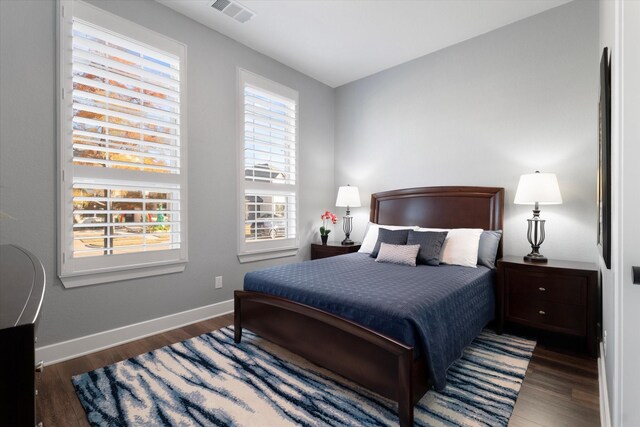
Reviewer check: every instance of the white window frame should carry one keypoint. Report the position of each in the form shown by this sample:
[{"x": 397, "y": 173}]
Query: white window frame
[
  {"x": 267, "y": 249},
  {"x": 102, "y": 269}
]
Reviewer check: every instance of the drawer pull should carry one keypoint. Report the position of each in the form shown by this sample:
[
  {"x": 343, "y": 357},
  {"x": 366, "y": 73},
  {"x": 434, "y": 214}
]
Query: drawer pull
[
  {"x": 541, "y": 289},
  {"x": 40, "y": 366},
  {"x": 542, "y": 312}
]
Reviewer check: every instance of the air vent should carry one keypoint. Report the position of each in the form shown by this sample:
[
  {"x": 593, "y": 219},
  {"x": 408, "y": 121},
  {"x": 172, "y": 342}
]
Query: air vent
[
  {"x": 220, "y": 4},
  {"x": 233, "y": 9}
]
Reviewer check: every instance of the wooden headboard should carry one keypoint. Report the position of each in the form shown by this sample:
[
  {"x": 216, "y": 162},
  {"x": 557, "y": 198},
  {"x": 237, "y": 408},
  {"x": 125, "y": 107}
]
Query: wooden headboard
[{"x": 441, "y": 207}]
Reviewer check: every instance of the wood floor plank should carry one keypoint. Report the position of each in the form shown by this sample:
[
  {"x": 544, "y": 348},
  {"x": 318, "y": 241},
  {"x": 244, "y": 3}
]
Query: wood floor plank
[
  {"x": 518, "y": 421},
  {"x": 559, "y": 389},
  {"x": 175, "y": 336},
  {"x": 195, "y": 330},
  {"x": 535, "y": 406},
  {"x": 585, "y": 396},
  {"x": 67, "y": 391},
  {"x": 52, "y": 401}
]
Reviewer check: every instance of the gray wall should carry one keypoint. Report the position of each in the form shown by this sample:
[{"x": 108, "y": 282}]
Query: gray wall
[
  {"x": 483, "y": 112},
  {"x": 28, "y": 165}
]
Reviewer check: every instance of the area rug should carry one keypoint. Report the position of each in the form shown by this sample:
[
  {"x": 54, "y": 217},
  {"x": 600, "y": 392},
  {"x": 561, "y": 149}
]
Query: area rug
[{"x": 211, "y": 381}]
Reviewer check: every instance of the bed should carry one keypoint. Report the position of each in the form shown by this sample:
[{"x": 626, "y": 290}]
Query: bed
[{"x": 397, "y": 355}]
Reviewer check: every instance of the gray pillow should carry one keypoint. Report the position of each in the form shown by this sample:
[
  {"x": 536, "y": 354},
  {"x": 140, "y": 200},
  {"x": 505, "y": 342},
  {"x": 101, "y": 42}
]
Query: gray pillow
[
  {"x": 488, "y": 248},
  {"x": 393, "y": 237},
  {"x": 398, "y": 254},
  {"x": 430, "y": 245}
]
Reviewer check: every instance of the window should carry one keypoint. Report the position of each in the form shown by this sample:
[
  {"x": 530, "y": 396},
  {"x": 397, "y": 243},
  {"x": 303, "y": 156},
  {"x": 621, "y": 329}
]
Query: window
[
  {"x": 268, "y": 170},
  {"x": 122, "y": 146}
]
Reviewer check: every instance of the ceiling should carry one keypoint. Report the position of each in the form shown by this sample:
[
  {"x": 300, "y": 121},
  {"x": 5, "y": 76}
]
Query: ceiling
[{"x": 339, "y": 41}]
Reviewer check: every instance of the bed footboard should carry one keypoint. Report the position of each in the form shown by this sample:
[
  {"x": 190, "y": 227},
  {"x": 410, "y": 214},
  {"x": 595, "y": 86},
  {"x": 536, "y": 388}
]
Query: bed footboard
[{"x": 366, "y": 357}]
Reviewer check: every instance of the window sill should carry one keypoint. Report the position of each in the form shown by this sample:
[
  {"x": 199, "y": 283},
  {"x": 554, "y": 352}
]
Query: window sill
[
  {"x": 260, "y": 256},
  {"x": 94, "y": 278}
]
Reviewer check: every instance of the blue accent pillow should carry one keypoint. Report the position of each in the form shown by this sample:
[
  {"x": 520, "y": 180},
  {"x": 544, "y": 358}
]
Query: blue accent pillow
[
  {"x": 488, "y": 248},
  {"x": 393, "y": 237},
  {"x": 430, "y": 245}
]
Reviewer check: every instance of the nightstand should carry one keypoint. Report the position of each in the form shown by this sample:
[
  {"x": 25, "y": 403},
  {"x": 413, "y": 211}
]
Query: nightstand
[
  {"x": 558, "y": 296},
  {"x": 318, "y": 250}
]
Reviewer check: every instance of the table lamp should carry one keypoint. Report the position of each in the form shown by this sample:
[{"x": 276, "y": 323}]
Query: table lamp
[{"x": 537, "y": 189}]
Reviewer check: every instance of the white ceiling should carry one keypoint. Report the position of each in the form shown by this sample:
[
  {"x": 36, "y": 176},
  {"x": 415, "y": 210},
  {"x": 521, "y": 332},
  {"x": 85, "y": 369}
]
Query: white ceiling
[{"x": 339, "y": 41}]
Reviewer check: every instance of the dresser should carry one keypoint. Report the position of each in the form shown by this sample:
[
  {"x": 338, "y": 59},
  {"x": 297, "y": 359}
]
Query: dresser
[
  {"x": 559, "y": 297},
  {"x": 318, "y": 250},
  {"x": 22, "y": 284}
]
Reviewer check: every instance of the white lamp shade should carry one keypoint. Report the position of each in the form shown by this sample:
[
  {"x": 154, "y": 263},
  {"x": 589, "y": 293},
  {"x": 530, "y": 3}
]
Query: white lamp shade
[
  {"x": 348, "y": 196},
  {"x": 538, "y": 187}
]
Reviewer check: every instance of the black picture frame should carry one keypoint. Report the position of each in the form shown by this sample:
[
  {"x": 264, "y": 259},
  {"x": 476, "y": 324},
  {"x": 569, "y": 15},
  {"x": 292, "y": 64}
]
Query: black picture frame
[{"x": 604, "y": 160}]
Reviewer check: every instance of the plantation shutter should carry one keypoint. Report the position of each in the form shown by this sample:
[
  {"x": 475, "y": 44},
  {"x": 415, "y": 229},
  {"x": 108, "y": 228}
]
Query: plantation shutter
[
  {"x": 122, "y": 145},
  {"x": 126, "y": 102},
  {"x": 269, "y": 159},
  {"x": 269, "y": 137},
  {"x": 121, "y": 219},
  {"x": 126, "y": 116}
]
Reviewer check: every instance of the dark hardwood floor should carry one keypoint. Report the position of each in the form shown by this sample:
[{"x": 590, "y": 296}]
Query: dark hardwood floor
[{"x": 559, "y": 389}]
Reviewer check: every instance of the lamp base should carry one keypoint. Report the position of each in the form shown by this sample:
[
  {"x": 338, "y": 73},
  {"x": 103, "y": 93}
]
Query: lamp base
[
  {"x": 347, "y": 227},
  {"x": 535, "y": 236},
  {"x": 533, "y": 257},
  {"x": 347, "y": 241}
]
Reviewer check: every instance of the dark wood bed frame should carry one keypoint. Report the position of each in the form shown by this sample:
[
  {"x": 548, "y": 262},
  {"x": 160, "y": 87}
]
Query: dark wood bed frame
[{"x": 373, "y": 360}]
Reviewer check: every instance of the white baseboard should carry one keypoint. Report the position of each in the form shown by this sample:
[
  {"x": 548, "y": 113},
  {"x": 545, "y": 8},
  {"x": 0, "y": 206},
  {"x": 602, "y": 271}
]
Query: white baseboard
[
  {"x": 76, "y": 347},
  {"x": 605, "y": 415}
]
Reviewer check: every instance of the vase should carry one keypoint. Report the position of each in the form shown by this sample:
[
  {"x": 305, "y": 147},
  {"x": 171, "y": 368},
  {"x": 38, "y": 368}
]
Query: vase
[{"x": 324, "y": 239}]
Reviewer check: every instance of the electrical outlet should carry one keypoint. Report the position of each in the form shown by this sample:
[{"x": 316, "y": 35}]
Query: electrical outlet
[{"x": 218, "y": 282}]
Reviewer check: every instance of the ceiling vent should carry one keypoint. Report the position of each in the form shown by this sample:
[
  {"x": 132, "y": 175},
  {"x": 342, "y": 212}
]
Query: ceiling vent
[{"x": 233, "y": 9}]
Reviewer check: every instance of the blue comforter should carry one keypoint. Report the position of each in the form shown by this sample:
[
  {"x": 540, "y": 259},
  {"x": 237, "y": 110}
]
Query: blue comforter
[{"x": 436, "y": 310}]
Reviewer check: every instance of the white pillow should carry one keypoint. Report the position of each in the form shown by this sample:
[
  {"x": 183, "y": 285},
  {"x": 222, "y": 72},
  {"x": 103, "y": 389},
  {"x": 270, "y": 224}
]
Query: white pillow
[
  {"x": 371, "y": 235},
  {"x": 398, "y": 254},
  {"x": 460, "y": 247}
]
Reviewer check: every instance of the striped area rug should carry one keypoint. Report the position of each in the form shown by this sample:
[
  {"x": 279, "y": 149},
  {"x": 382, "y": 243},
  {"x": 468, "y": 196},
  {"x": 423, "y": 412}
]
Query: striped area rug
[{"x": 209, "y": 380}]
